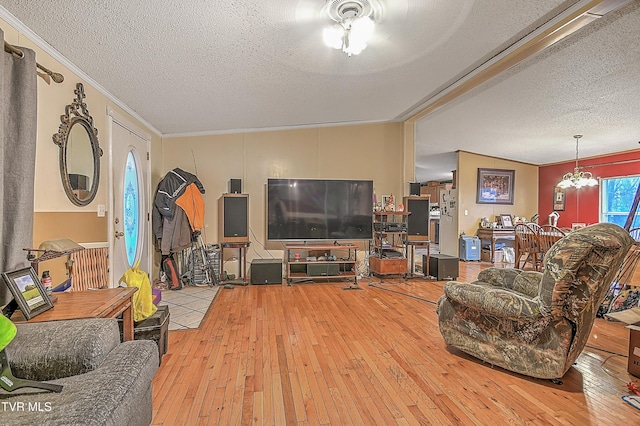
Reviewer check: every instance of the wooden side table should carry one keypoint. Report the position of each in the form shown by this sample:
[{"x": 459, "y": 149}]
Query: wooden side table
[
  {"x": 493, "y": 235},
  {"x": 103, "y": 303},
  {"x": 242, "y": 255},
  {"x": 411, "y": 249}
]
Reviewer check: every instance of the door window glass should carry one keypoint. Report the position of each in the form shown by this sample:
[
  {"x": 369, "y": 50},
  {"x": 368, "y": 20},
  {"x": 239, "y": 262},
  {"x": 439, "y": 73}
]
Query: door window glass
[{"x": 131, "y": 203}]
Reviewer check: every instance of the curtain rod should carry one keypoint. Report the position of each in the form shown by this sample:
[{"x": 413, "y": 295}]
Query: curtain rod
[
  {"x": 55, "y": 76},
  {"x": 613, "y": 163}
]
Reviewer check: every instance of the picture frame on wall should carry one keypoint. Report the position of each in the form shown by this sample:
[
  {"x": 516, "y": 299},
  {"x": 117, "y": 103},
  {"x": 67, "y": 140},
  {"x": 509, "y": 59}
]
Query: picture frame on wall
[
  {"x": 495, "y": 186},
  {"x": 559, "y": 197},
  {"x": 28, "y": 292}
]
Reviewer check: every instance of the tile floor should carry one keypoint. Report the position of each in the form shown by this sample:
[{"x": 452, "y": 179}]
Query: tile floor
[{"x": 188, "y": 306}]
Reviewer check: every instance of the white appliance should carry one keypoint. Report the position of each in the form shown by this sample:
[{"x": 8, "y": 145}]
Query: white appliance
[{"x": 449, "y": 222}]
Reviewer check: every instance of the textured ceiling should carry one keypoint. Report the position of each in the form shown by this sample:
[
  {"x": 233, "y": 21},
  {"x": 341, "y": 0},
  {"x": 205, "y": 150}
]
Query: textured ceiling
[
  {"x": 588, "y": 83},
  {"x": 196, "y": 66}
]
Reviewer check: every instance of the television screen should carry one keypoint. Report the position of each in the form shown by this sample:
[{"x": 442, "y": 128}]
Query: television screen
[{"x": 315, "y": 209}]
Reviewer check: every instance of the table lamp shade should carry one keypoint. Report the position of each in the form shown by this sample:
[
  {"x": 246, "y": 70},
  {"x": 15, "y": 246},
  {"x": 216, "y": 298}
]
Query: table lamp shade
[{"x": 7, "y": 331}]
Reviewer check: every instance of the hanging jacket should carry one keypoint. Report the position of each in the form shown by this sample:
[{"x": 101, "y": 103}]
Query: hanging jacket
[
  {"x": 176, "y": 233},
  {"x": 171, "y": 187},
  {"x": 192, "y": 203}
]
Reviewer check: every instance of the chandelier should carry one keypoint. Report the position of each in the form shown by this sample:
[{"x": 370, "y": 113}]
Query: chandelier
[
  {"x": 353, "y": 24},
  {"x": 577, "y": 178}
]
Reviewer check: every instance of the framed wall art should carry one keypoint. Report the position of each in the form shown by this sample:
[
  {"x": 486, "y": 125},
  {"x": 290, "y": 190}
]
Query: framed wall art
[
  {"x": 28, "y": 292},
  {"x": 559, "y": 195},
  {"x": 495, "y": 186}
]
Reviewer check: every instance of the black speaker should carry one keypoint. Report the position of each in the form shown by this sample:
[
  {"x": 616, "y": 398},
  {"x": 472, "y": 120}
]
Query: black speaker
[
  {"x": 442, "y": 266},
  {"x": 266, "y": 271},
  {"x": 418, "y": 220},
  {"x": 414, "y": 188},
  {"x": 233, "y": 219},
  {"x": 235, "y": 186}
]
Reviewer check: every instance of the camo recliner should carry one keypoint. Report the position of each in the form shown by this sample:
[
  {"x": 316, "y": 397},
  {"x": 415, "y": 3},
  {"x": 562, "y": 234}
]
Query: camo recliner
[{"x": 535, "y": 323}]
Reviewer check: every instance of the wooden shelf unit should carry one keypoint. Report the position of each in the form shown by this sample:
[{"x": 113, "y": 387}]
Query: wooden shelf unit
[
  {"x": 346, "y": 266},
  {"x": 378, "y": 264}
]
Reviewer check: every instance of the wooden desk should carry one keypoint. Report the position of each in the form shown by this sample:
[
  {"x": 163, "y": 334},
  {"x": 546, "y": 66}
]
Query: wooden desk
[
  {"x": 493, "y": 235},
  {"x": 104, "y": 303}
]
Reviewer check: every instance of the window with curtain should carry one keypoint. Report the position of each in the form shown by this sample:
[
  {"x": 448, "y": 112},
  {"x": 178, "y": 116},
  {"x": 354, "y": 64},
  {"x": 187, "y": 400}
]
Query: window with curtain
[{"x": 616, "y": 198}]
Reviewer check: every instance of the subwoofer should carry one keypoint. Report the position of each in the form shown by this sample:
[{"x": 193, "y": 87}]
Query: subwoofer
[
  {"x": 442, "y": 266},
  {"x": 418, "y": 220},
  {"x": 233, "y": 218},
  {"x": 266, "y": 271}
]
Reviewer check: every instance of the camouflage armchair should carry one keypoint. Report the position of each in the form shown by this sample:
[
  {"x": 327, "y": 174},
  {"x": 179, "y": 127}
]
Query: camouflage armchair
[{"x": 535, "y": 323}]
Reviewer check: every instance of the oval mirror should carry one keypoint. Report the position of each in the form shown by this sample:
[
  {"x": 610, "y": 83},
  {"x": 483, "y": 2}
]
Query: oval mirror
[{"x": 80, "y": 151}]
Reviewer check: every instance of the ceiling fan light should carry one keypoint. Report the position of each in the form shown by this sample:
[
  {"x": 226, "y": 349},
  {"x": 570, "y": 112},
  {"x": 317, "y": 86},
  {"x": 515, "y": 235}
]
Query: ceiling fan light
[
  {"x": 358, "y": 35},
  {"x": 355, "y": 24},
  {"x": 333, "y": 36},
  {"x": 362, "y": 29}
]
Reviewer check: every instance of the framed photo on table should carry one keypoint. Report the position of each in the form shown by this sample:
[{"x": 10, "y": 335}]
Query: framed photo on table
[
  {"x": 28, "y": 292},
  {"x": 505, "y": 220},
  {"x": 559, "y": 195},
  {"x": 495, "y": 186}
]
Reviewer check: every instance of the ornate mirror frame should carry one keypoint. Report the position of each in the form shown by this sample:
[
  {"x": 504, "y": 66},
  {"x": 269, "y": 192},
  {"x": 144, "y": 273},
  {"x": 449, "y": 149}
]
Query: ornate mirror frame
[{"x": 77, "y": 113}]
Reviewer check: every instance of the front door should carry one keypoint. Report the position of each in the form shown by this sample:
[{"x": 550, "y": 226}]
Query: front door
[{"x": 130, "y": 225}]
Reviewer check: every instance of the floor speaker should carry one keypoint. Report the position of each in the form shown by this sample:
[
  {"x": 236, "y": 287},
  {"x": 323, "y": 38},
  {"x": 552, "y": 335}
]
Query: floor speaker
[
  {"x": 235, "y": 186},
  {"x": 442, "y": 266},
  {"x": 266, "y": 271},
  {"x": 418, "y": 220},
  {"x": 233, "y": 219}
]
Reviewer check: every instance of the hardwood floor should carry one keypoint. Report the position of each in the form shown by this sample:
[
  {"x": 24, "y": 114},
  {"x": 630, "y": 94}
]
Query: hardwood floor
[{"x": 317, "y": 354}]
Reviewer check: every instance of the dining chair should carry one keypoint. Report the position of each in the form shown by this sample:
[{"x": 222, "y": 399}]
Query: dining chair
[
  {"x": 548, "y": 235},
  {"x": 635, "y": 233},
  {"x": 527, "y": 245}
]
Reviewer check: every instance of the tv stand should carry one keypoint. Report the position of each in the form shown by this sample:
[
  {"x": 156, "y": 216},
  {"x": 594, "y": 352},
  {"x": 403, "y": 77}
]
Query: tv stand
[{"x": 301, "y": 269}]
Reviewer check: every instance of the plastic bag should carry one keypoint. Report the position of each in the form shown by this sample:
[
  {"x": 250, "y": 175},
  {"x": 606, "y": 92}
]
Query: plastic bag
[
  {"x": 509, "y": 254},
  {"x": 143, "y": 306},
  {"x": 7, "y": 331}
]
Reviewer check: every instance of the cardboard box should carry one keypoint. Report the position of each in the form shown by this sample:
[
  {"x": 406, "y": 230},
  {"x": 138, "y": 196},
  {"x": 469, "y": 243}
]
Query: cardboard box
[
  {"x": 485, "y": 256},
  {"x": 631, "y": 317}
]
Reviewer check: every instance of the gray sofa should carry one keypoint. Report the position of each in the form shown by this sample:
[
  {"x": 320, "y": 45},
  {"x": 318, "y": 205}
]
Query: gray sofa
[{"x": 105, "y": 382}]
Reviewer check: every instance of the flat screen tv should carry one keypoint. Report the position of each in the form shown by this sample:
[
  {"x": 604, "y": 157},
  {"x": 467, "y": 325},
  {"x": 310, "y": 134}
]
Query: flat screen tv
[{"x": 319, "y": 209}]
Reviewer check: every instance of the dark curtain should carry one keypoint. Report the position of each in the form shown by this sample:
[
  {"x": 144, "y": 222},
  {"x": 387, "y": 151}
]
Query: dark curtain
[{"x": 18, "y": 107}]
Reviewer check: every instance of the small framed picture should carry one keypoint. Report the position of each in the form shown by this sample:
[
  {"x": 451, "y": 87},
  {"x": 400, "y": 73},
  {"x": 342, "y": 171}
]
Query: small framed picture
[
  {"x": 506, "y": 221},
  {"x": 559, "y": 195},
  {"x": 27, "y": 291}
]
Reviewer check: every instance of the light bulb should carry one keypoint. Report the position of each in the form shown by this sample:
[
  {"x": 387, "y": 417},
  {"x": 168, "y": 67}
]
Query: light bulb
[{"x": 333, "y": 36}]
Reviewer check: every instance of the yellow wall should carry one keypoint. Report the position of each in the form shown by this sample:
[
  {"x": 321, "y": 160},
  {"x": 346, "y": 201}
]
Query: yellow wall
[
  {"x": 525, "y": 191},
  {"x": 373, "y": 151}
]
